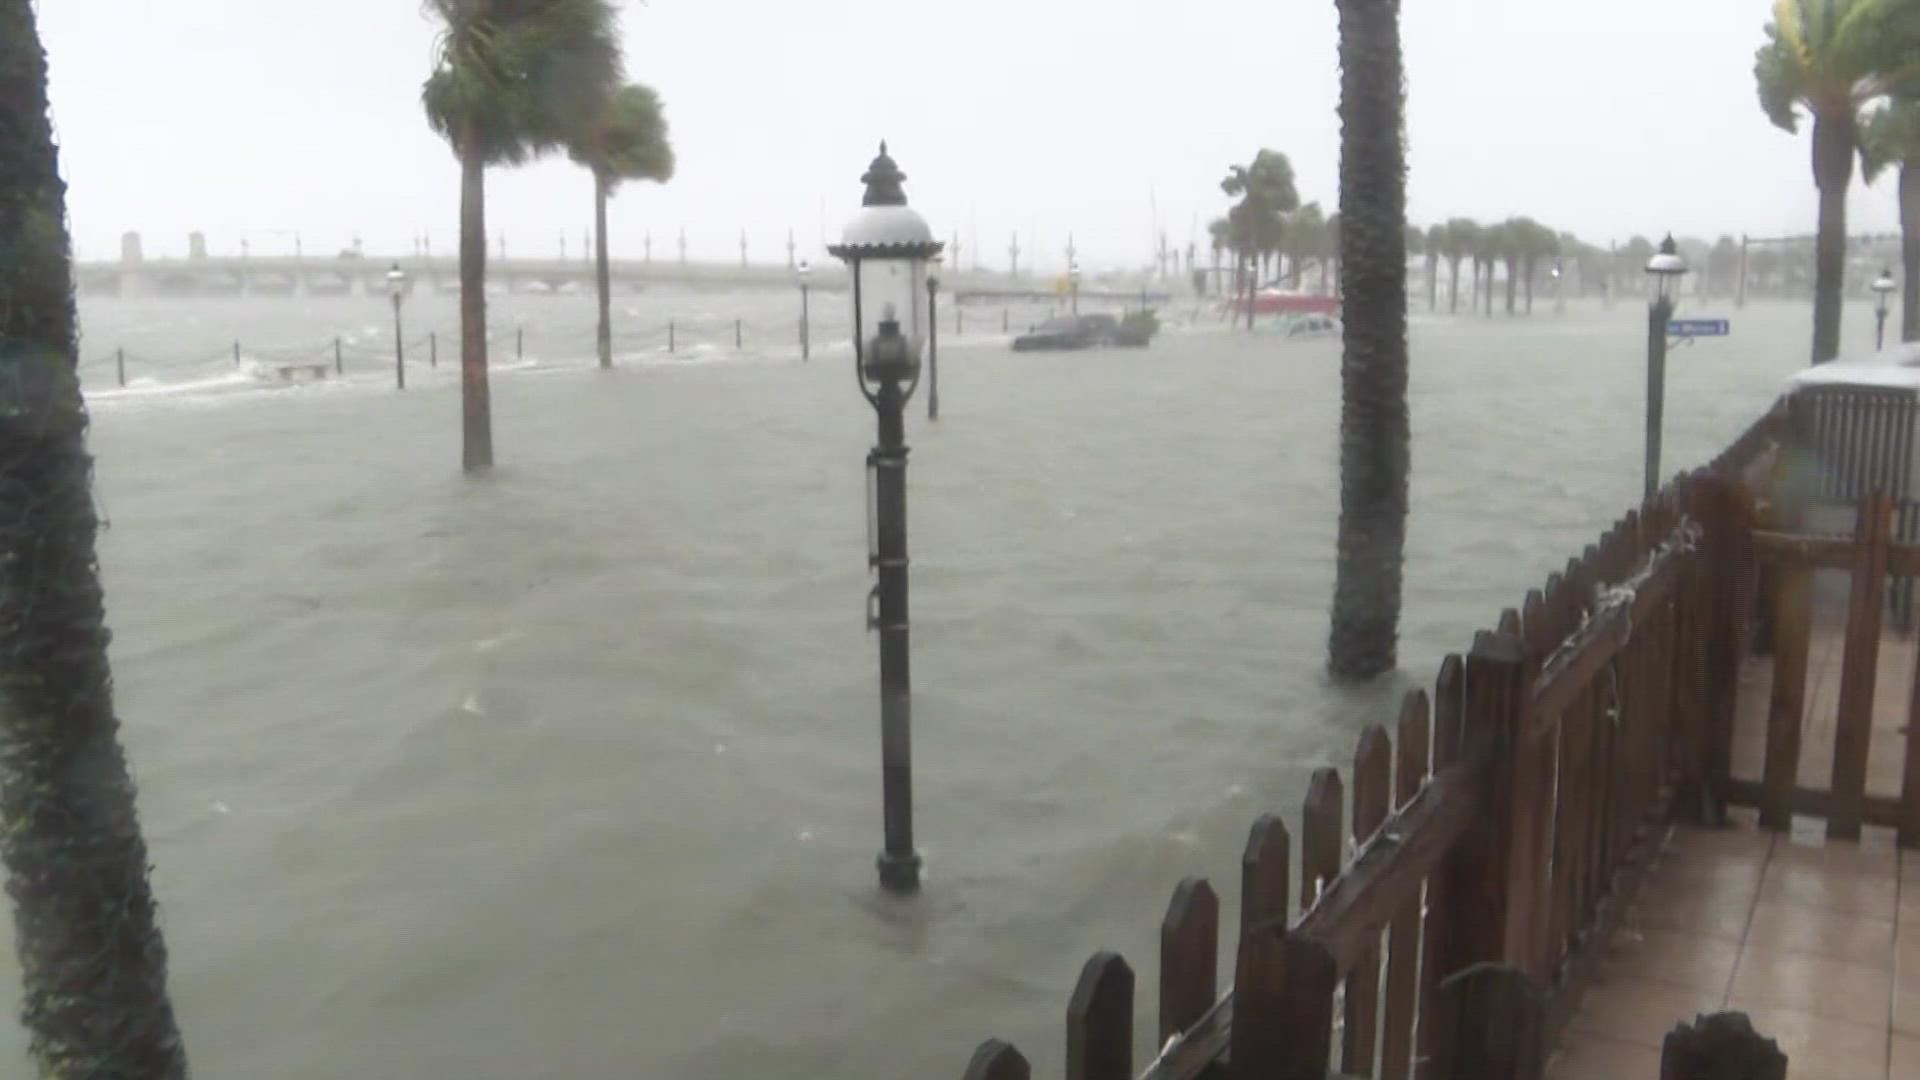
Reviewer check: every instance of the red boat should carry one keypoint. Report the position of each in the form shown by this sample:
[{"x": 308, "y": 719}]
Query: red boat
[{"x": 1286, "y": 302}]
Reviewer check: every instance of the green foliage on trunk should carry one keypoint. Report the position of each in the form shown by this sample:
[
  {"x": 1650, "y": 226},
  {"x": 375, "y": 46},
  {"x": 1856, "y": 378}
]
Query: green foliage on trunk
[
  {"x": 92, "y": 962},
  {"x": 1891, "y": 140},
  {"x": 512, "y": 79},
  {"x": 626, "y": 139},
  {"x": 1830, "y": 58}
]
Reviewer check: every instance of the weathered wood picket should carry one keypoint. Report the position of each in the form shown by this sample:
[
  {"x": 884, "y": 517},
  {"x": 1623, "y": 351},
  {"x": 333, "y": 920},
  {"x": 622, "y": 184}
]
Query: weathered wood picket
[{"x": 1498, "y": 832}]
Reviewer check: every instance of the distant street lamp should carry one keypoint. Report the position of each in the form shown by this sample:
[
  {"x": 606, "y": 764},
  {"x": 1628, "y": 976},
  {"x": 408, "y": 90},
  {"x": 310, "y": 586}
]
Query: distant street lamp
[
  {"x": 886, "y": 247},
  {"x": 1665, "y": 268},
  {"x": 1073, "y": 282},
  {"x": 397, "y": 288},
  {"x": 1883, "y": 287},
  {"x": 806, "y": 333}
]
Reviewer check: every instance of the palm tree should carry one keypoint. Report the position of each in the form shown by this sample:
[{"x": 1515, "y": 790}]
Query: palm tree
[
  {"x": 1534, "y": 242},
  {"x": 92, "y": 962},
  {"x": 1374, "y": 427},
  {"x": 1267, "y": 195},
  {"x": 1893, "y": 139},
  {"x": 625, "y": 140},
  {"x": 1488, "y": 244},
  {"x": 511, "y": 80},
  {"x": 1435, "y": 245},
  {"x": 1832, "y": 57},
  {"x": 1723, "y": 265},
  {"x": 1306, "y": 241},
  {"x": 1462, "y": 238}
]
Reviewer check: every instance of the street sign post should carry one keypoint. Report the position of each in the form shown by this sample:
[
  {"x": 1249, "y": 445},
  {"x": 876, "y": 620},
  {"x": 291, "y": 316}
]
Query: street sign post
[{"x": 1691, "y": 328}]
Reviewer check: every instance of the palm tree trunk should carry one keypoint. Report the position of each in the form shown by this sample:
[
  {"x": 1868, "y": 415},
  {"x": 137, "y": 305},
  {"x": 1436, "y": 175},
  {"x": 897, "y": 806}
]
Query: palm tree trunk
[
  {"x": 1834, "y": 139},
  {"x": 1910, "y": 253},
  {"x": 476, "y": 410},
  {"x": 1433, "y": 282},
  {"x": 1513, "y": 281},
  {"x": 92, "y": 963},
  {"x": 1374, "y": 427},
  {"x": 601, "y": 275},
  {"x": 1453, "y": 288},
  {"x": 1529, "y": 285}
]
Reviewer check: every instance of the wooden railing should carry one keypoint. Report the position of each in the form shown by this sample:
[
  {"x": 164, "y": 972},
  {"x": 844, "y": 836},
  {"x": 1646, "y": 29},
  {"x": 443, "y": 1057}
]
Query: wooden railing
[{"x": 1497, "y": 833}]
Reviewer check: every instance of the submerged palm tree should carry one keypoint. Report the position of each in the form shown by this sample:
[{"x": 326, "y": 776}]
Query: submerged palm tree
[
  {"x": 1893, "y": 141},
  {"x": 92, "y": 962},
  {"x": 1830, "y": 58},
  {"x": 511, "y": 79},
  {"x": 625, "y": 140},
  {"x": 1374, "y": 426},
  {"x": 1462, "y": 237},
  {"x": 1266, "y": 192}
]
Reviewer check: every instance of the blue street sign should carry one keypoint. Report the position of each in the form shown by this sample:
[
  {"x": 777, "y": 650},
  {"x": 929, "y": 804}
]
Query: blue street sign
[{"x": 1699, "y": 327}]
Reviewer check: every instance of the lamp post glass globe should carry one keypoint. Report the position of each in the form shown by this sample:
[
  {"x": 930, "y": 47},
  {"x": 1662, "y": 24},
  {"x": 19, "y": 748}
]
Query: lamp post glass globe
[
  {"x": 396, "y": 282},
  {"x": 887, "y": 246},
  {"x": 1666, "y": 268},
  {"x": 1883, "y": 287}
]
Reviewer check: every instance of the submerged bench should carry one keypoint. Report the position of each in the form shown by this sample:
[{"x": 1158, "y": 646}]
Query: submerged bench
[{"x": 288, "y": 371}]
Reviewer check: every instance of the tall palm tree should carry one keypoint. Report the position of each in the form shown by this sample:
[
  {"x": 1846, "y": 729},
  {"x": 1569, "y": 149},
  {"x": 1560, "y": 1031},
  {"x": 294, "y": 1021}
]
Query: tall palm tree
[
  {"x": 511, "y": 80},
  {"x": 1374, "y": 426},
  {"x": 625, "y": 140},
  {"x": 92, "y": 963},
  {"x": 1534, "y": 242},
  {"x": 1267, "y": 195},
  {"x": 1830, "y": 58},
  {"x": 1462, "y": 236},
  {"x": 1435, "y": 244},
  {"x": 1489, "y": 242},
  {"x": 1893, "y": 140}
]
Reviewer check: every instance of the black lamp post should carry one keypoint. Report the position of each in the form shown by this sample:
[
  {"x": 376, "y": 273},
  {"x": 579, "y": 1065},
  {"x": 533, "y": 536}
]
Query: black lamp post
[
  {"x": 1883, "y": 287},
  {"x": 886, "y": 248},
  {"x": 397, "y": 288},
  {"x": 806, "y": 331},
  {"x": 1073, "y": 282},
  {"x": 1665, "y": 268}
]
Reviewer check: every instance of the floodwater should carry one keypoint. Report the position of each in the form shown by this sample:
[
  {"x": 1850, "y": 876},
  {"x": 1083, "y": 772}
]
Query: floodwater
[{"x": 573, "y": 771}]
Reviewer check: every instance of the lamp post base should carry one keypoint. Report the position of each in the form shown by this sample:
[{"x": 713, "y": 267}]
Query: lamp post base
[{"x": 899, "y": 873}]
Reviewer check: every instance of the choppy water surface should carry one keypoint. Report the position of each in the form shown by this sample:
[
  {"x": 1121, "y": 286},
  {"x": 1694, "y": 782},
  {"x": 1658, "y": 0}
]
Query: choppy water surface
[{"x": 573, "y": 771}]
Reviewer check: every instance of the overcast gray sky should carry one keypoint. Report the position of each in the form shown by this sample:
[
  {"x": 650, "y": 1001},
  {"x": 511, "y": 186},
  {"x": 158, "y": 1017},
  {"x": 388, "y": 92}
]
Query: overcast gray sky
[{"x": 261, "y": 117}]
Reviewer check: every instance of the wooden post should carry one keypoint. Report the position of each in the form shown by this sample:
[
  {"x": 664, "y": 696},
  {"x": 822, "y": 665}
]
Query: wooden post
[
  {"x": 1858, "y": 667},
  {"x": 1726, "y": 521},
  {"x": 736, "y": 333},
  {"x": 1320, "y": 846},
  {"x": 670, "y": 335},
  {"x": 519, "y": 342},
  {"x": 1189, "y": 956},
  {"x": 1264, "y": 867},
  {"x": 1499, "y": 1025},
  {"x": 995, "y": 1060},
  {"x": 120, "y": 364},
  {"x": 433, "y": 349},
  {"x": 1100, "y": 1021},
  {"x": 1909, "y": 831},
  {"x": 1723, "y": 1046},
  {"x": 1403, "y": 940},
  {"x": 1441, "y": 916},
  {"x": 1004, "y": 320},
  {"x": 339, "y": 362},
  {"x": 1372, "y": 796},
  {"x": 1282, "y": 1007},
  {"x": 1481, "y": 880},
  {"x": 1792, "y": 595},
  {"x": 236, "y": 354}
]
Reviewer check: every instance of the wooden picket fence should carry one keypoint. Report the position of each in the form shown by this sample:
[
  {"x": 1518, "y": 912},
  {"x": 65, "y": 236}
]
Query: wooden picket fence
[{"x": 1497, "y": 833}]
